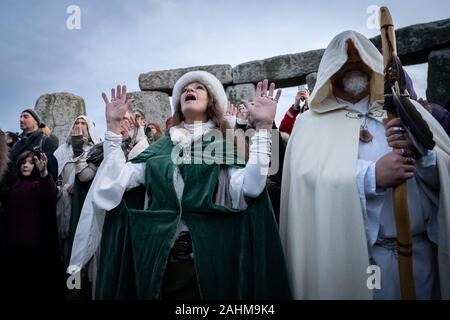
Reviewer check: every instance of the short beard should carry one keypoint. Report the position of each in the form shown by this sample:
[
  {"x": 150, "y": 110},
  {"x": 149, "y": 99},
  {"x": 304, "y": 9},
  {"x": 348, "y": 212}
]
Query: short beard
[{"x": 355, "y": 83}]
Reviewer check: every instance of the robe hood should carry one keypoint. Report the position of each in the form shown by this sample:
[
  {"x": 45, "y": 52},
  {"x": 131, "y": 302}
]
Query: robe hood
[
  {"x": 64, "y": 153},
  {"x": 335, "y": 57}
]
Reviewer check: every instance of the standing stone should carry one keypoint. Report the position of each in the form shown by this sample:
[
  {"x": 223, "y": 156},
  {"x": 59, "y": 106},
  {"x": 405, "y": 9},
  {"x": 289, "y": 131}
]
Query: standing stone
[
  {"x": 165, "y": 80},
  {"x": 59, "y": 110},
  {"x": 438, "y": 89},
  {"x": 286, "y": 70},
  {"x": 311, "y": 81},
  {"x": 241, "y": 92},
  {"x": 154, "y": 104}
]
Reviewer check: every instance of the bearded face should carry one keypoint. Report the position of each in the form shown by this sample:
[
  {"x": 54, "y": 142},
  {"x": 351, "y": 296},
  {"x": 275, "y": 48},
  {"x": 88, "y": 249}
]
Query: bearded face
[
  {"x": 355, "y": 82},
  {"x": 352, "y": 81}
]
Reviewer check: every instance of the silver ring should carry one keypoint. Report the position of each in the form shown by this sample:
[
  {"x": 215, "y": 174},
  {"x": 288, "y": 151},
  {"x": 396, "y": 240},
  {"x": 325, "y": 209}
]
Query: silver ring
[
  {"x": 403, "y": 152},
  {"x": 398, "y": 130}
]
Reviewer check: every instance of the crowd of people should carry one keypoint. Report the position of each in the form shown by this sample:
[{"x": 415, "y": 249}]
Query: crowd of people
[{"x": 223, "y": 204}]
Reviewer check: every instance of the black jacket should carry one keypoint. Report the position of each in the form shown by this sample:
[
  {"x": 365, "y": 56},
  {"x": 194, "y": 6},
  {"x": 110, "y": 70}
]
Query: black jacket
[{"x": 36, "y": 142}]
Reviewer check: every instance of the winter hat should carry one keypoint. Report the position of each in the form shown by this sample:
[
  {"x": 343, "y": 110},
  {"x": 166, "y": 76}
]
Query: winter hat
[
  {"x": 35, "y": 115},
  {"x": 212, "y": 84}
]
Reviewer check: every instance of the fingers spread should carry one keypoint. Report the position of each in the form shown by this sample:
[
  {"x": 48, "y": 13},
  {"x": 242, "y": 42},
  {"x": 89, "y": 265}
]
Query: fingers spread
[
  {"x": 271, "y": 89},
  {"x": 258, "y": 89},
  {"x": 119, "y": 92},
  {"x": 105, "y": 98},
  {"x": 265, "y": 85},
  {"x": 124, "y": 92},
  {"x": 277, "y": 95}
]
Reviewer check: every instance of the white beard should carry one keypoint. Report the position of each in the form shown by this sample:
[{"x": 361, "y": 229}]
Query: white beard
[{"x": 355, "y": 83}]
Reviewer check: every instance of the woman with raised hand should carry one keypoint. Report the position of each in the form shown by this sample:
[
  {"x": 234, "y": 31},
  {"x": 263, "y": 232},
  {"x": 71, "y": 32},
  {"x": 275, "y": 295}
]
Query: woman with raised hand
[{"x": 208, "y": 229}]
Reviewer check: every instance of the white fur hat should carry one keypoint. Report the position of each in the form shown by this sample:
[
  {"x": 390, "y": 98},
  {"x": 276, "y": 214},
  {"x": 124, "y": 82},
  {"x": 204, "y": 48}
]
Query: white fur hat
[{"x": 212, "y": 84}]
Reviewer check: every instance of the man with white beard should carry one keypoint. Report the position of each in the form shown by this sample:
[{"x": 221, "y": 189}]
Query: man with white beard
[
  {"x": 342, "y": 161},
  {"x": 134, "y": 142}
]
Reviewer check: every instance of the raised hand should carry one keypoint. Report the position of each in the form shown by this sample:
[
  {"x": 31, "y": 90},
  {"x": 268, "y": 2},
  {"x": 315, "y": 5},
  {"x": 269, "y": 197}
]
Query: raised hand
[
  {"x": 262, "y": 111},
  {"x": 230, "y": 115},
  {"x": 302, "y": 95},
  {"x": 77, "y": 131},
  {"x": 116, "y": 108},
  {"x": 242, "y": 112},
  {"x": 41, "y": 164},
  {"x": 231, "y": 110}
]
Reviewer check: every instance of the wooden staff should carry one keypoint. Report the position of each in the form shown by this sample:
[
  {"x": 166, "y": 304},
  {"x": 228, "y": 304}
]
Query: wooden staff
[{"x": 401, "y": 212}]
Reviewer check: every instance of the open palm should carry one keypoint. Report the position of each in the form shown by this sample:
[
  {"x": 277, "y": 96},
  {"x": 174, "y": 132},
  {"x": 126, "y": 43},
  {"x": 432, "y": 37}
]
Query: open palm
[
  {"x": 116, "y": 108},
  {"x": 262, "y": 111}
]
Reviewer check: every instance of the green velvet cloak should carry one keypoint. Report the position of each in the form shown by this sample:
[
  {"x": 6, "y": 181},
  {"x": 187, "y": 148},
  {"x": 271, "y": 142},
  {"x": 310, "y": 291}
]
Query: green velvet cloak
[{"x": 238, "y": 253}]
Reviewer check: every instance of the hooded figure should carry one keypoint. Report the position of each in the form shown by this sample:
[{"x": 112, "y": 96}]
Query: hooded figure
[
  {"x": 71, "y": 157},
  {"x": 334, "y": 221}
]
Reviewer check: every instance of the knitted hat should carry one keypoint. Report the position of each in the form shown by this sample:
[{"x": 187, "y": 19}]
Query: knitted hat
[
  {"x": 35, "y": 115},
  {"x": 212, "y": 84}
]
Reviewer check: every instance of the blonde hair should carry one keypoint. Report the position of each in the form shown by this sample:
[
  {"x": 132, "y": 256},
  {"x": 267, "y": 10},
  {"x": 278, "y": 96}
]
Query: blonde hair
[{"x": 46, "y": 131}]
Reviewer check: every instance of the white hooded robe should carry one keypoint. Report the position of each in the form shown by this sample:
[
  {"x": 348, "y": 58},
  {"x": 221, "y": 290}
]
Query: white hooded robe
[{"x": 328, "y": 222}]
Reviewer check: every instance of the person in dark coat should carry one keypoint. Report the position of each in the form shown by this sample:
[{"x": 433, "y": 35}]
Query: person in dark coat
[
  {"x": 3, "y": 154},
  {"x": 3, "y": 165},
  {"x": 11, "y": 139},
  {"x": 32, "y": 139},
  {"x": 33, "y": 265}
]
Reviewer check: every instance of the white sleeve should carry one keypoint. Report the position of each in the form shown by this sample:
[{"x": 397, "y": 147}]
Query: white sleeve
[
  {"x": 371, "y": 199},
  {"x": 115, "y": 175},
  {"x": 251, "y": 180}
]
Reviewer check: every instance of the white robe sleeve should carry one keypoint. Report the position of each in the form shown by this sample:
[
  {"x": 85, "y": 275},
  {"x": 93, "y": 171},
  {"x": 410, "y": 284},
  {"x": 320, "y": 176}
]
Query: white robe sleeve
[
  {"x": 113, "y": 178},
  {"x": 367, "y": 190},
  {"x": 115, "y": 175},
  {"x": 251, "y": 180}
]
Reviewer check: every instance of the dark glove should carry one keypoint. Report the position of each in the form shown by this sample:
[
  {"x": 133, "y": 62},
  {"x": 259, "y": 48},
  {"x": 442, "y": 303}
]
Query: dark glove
[{"x": 95, "y": 155}]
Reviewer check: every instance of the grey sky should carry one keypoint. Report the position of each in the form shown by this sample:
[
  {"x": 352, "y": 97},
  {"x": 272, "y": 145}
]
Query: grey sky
[{"x": 118, "y": 40}]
